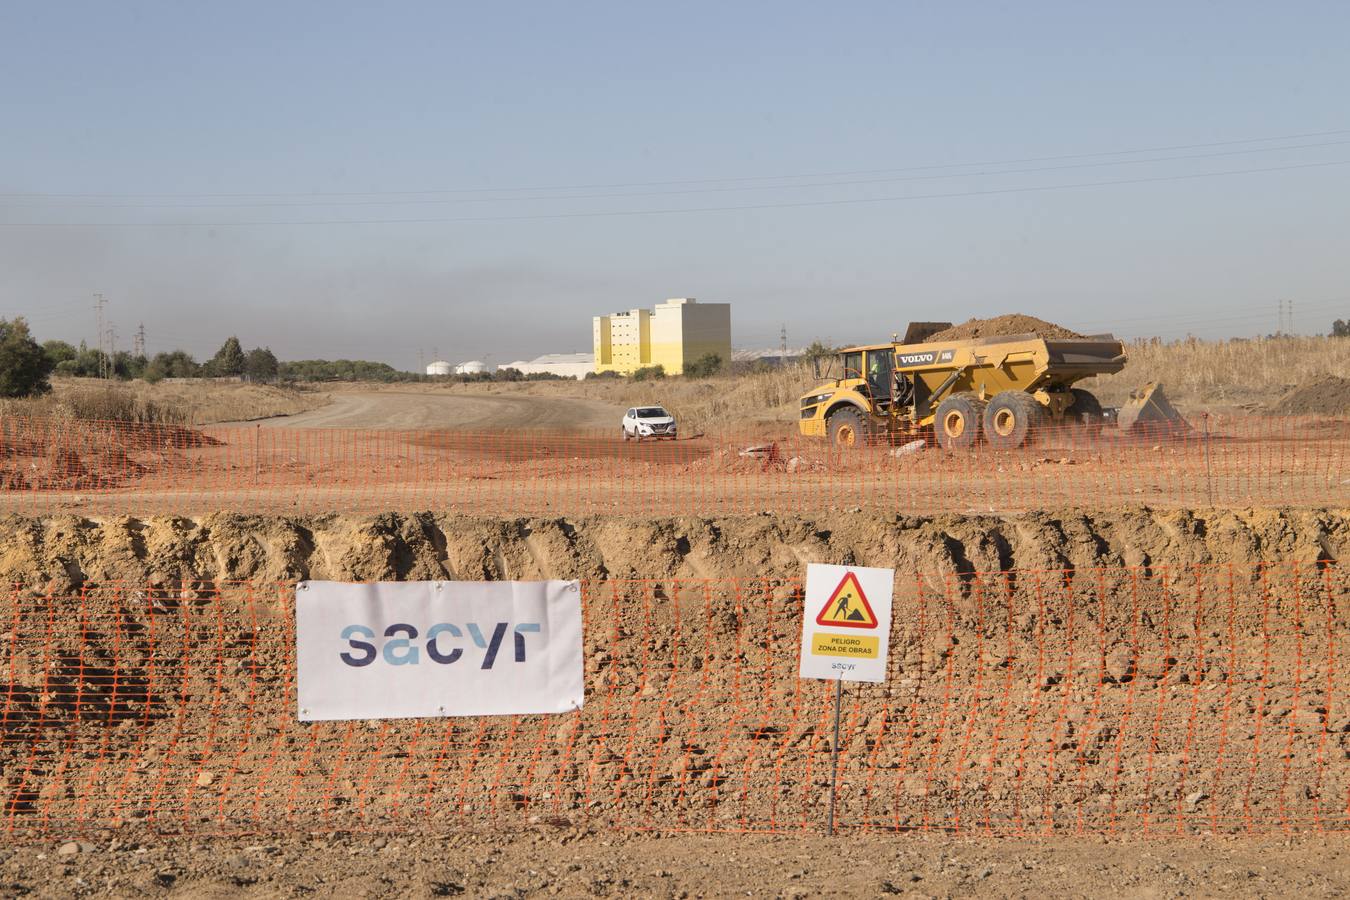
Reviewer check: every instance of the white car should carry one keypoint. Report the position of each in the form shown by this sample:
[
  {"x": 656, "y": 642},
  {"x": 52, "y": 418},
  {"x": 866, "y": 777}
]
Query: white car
[{"x": 648, "y": 422}]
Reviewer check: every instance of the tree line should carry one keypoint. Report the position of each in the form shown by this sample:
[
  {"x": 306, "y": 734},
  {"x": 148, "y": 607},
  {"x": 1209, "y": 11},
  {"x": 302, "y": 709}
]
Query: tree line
[
  {"x": 230, "y": 361},
  {"x": 27, "y": 366}
]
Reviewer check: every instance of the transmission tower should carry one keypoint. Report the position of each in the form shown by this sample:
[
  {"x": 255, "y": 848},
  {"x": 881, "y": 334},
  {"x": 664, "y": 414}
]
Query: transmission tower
[
  {"x": 1285, "y": 321},
  {"x": 99, "y": 304},
  {"x": 782, "y": 348},
  {"x": 138, "y": 345}
]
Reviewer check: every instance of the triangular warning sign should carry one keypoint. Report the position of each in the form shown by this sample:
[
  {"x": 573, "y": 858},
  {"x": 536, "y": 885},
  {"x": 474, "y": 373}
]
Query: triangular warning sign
[{"x": 848, "y": 606}]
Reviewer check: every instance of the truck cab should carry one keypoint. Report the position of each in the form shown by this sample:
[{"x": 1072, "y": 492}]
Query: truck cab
[{"x": 857, "y": 405}]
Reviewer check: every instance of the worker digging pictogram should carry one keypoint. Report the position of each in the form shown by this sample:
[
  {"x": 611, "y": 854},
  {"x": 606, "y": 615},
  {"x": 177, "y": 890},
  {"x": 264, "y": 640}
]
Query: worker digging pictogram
[{"x": 847, "y": 606}]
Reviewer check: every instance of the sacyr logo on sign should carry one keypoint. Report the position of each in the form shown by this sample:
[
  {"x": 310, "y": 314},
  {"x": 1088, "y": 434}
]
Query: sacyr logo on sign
[{"x": 439, "y": 643}]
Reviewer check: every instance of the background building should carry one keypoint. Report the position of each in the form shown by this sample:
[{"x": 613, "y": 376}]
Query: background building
[
  {"x": 774, "y": 356},
  {"x": 566, "y": 365},
  {"x": 671, "y": 335}
]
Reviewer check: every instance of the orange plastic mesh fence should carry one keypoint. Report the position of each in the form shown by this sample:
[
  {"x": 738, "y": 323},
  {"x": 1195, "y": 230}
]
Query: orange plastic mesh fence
[
  {"x": 95, "y": 468},
  {"x": 1155, "y": 701}
]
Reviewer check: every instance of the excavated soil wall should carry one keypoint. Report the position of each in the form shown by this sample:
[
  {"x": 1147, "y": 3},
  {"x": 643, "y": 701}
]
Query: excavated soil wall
[
  {"x": 60, "y": 554},
  {"x": 1143, "y": 671}
]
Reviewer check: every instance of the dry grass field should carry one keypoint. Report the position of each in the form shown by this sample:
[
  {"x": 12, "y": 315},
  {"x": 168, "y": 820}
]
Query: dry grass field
[
  {"x": 1226, "y": 375},
  {"x": 186, "y": 402}
]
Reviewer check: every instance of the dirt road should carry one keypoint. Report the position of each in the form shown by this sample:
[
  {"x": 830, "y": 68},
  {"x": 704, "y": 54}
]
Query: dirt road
[
  {"x": 573, "y": 862},
  {"x": 405, "y": 408}
]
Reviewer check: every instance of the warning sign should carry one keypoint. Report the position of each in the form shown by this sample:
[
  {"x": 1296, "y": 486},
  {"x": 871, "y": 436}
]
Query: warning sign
[
  {"x": 853, "y": 646},
  {"x": 847, "y": 623},
  {"x": 847, "y": 606}
]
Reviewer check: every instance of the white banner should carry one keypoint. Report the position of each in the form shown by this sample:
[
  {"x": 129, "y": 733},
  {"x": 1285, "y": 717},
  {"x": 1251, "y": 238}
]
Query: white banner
[
  {"x": 846, "y": 624},
  {"x": 394, "y": 650}
]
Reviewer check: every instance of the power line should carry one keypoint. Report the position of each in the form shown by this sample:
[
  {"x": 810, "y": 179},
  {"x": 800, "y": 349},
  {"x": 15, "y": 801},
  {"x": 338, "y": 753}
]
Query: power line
[
  {"x": 273, "y": 204},
  {"x": 1230, "y": 313},
  {"x": 724, "y": 180},
  {"x": 597, "y": 214}
]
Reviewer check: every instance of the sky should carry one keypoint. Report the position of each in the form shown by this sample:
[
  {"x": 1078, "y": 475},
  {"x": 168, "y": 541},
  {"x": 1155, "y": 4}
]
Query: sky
[{"x": 388, "y": 181}]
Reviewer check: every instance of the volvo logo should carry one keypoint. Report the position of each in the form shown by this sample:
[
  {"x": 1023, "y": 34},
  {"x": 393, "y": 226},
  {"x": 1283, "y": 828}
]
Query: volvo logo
[{"x": 917, "y": 359}]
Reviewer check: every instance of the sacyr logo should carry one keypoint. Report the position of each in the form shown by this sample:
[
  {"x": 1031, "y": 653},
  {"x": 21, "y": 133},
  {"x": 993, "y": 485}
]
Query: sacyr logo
[{"x": 439, "y": 643}]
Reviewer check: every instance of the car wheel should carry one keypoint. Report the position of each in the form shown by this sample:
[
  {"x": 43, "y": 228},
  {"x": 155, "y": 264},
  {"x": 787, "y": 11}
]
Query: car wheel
[{"x": 625, "y": 433}]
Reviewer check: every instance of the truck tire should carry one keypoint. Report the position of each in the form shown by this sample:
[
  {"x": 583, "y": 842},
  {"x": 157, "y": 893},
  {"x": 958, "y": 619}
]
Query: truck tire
[
  {"x": 1086, "y": 411},
  {"x": 957, "y": 425},
  {"x": 1011, "y": 419},
  {"x": 847, "y": 428}
]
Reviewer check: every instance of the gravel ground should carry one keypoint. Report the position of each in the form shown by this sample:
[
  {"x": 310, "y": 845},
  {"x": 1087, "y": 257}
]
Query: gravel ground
[{"x": 578, "y": 864}]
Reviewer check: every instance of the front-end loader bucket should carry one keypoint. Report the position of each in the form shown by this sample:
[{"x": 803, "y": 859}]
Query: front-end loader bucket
[{"x": 1149, "y": 412}]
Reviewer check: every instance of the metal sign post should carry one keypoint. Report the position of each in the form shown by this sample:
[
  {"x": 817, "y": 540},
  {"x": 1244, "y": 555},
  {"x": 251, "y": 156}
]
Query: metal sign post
[
  {"x": 846, "y": 630},
  {"x": 834, "y": 752}
]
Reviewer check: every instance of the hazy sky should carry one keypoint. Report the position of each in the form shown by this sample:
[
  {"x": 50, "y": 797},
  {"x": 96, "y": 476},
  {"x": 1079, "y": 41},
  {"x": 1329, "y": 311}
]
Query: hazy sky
[{"x": 483, "y": 178}]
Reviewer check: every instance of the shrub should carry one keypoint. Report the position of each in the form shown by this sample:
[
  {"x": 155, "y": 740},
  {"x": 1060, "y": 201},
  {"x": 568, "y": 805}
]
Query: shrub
[
  {"x": 261, "y": 365},
  {"x": 24, "y": 365},
  {"x": 649, "y": 373},
  {"x": 707, "y": 365},
  {"x": 59, "y": 351}
]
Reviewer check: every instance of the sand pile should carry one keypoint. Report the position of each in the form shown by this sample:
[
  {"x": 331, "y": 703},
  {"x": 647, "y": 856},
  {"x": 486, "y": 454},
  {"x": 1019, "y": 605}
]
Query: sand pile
[
  {"x": 1013, "y": 323},
  {"x": 1325, "y": 396}
]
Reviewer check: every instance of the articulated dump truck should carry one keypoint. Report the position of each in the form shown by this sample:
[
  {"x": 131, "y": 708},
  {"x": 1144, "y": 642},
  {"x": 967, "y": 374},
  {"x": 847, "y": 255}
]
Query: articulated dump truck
[{"x": 1003, "y": 390}]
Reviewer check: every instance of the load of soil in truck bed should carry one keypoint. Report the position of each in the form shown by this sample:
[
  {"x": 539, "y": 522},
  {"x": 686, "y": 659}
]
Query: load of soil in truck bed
[{"x": 1013, "y": 323}]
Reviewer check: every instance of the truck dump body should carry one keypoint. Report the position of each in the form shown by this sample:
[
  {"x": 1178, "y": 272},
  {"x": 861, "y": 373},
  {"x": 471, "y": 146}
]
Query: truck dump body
[{"x": 988, "y": 366}]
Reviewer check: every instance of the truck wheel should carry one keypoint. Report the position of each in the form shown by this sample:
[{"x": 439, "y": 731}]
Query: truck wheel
[
  {"x": 1086, "y": 411},
  {"x": 957, "y": 425},
  {"x": 847, "y": 428},
  {"x": 1011, "y": 419}
]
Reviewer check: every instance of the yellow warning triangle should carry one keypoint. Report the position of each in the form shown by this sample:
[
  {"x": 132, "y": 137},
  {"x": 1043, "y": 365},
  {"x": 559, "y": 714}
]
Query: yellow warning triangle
[{"x": 847, "y": 606}]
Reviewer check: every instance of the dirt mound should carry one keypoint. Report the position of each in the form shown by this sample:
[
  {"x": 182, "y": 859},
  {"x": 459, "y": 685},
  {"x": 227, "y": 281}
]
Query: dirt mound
[
  {"x": 1325, "y": 396},
  {"x": 1013, "y": 323}
]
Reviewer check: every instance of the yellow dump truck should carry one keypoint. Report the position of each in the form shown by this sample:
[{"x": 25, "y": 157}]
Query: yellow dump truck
[{"x": 997, "y": 389}]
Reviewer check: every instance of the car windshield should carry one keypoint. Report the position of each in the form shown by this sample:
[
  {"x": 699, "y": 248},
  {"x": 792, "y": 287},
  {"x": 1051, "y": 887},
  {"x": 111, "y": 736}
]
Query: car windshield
[{"x": 652, "y": 412}]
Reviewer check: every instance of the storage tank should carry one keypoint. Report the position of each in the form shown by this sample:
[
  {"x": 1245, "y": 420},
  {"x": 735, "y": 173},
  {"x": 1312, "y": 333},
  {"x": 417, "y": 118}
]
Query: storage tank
[
  {"x": 472, "y": 367},
  {"x": 440, "y": 367}
]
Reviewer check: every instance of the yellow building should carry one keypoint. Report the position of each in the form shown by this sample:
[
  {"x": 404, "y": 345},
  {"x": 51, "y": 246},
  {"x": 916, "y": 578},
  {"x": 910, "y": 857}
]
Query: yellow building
[{"x": 671, "y": 335}]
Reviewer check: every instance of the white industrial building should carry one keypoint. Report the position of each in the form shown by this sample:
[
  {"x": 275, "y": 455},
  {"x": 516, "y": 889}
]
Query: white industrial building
[
  {"x": 439, "y": 367},
  {"x": 772, "y": 355},
  {"x": 564, "y": 365},
  {"x": 472, "y": 367}
]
